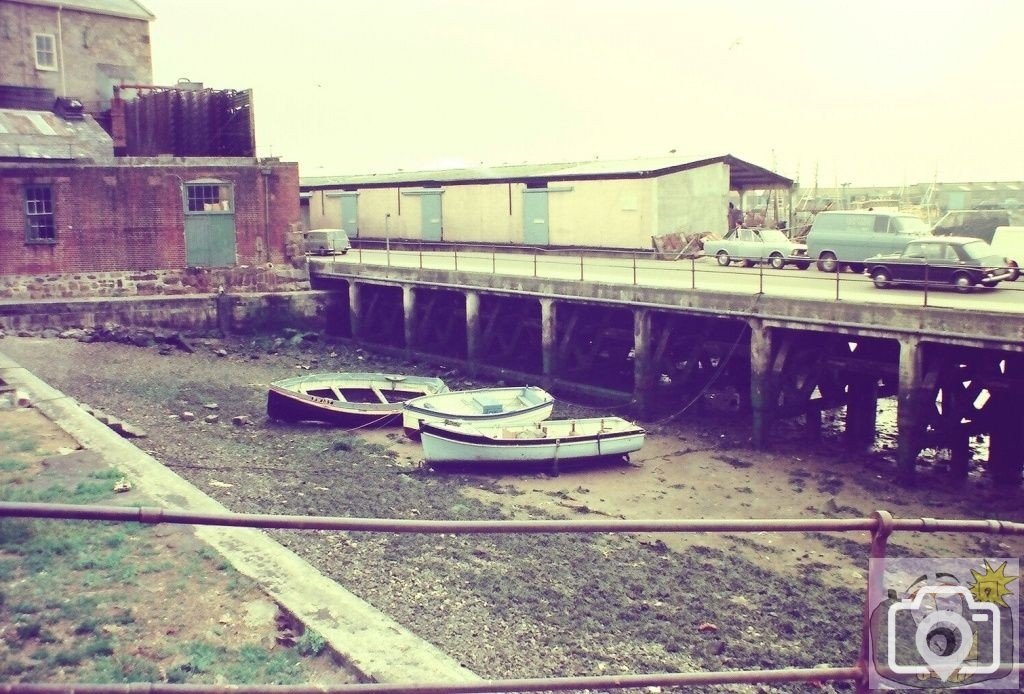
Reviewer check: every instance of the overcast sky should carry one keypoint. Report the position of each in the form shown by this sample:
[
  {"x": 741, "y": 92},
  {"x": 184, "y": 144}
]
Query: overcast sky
[{"x": 868, "y": 92}]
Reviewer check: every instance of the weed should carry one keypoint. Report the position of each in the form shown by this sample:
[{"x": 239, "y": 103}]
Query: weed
[
  {"x": 120, "y": 669},
  {"x": 89, "y": 625},
  {"x": 11, "y": 465},
  {"x": 28, "y": 630},
  {"x": 311, "y": 643}
]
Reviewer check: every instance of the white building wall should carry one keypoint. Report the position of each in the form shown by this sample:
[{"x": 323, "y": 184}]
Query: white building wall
[
  {"x": 489, "y": 213},
  {"x": 693, "y": 201},
  {"x": 613, "y": 213}
]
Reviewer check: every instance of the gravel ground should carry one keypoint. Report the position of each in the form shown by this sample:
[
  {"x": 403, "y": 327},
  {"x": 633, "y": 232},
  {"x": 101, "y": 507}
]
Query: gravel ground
[{"x": 505, "y": 606}]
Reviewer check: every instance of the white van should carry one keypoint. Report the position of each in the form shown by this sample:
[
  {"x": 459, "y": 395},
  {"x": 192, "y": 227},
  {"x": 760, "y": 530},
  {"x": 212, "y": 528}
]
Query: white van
[
  {"x": 1008, "y": 241},
  {"x": 326, "y": 241}
]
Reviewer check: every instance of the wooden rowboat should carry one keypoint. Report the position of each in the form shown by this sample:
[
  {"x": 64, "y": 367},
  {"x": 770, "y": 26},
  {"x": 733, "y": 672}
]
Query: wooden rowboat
[
  {"x": 347, "y": 399},
  {"x": 521, "y": 405},
  {"x": 548, "y": 444}
]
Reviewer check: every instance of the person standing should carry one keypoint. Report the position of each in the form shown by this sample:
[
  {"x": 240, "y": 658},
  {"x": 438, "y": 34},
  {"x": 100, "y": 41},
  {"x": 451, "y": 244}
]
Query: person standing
[{"x": 735, "y": 217}]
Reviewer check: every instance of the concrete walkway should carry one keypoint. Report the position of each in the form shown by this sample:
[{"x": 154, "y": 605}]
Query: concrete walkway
[{"x": 375, "y": 646}]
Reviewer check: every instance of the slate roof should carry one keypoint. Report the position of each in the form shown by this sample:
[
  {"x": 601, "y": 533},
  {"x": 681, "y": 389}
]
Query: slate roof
[
  {"x": 42, "y": 135},
  {"x": 115, "y": 8},
  {"x": 742, "y": 174}
]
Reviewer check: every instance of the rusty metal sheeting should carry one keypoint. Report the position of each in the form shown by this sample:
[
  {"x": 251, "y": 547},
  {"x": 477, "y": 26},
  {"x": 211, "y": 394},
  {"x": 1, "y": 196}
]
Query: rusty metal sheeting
[
  {"x": 682, "y": 679},
  {"x": 152, "y": 514},
  {"x": 202, "y": 123}
]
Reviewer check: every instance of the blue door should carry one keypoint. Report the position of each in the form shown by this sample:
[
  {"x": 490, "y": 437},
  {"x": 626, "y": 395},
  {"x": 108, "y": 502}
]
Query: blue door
[
  {"x": 209, "y": 240},
  {"x": 350, "y": 215},
  {"x": 535, "y": 217},
  {"x": 430, "y": 206}
]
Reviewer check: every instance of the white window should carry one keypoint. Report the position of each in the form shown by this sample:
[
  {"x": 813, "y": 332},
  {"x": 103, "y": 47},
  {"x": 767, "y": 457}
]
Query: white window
[{"x": 46, "y": 51}]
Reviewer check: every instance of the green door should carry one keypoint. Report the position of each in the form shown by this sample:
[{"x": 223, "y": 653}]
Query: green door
[
  {"x": 535, "y": 217},
  {"x": 430, "y": 205},
  {"x": 350, "y": 214},
  {"x": 210, "y": 239}
]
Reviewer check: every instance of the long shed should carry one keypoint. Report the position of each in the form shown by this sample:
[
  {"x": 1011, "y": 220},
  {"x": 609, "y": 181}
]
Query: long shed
[{"x": 611, "y": 204}]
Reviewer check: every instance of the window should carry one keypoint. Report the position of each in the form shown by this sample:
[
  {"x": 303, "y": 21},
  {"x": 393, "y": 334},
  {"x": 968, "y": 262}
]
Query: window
[
  {"x": 46, "y": 52},
  {"x": 39, "y": 219},
  {"x": 208, "y": 197}
]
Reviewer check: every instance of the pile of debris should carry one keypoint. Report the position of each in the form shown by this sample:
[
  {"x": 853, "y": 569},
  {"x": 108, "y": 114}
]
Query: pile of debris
[{"x": 678, "y": 244}]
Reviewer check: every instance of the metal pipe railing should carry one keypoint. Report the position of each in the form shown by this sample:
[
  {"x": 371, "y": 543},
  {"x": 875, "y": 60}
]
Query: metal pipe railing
[{"x": 881, "y": 525}]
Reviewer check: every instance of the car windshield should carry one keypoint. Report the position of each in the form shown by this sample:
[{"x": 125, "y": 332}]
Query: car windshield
[
  {"x": 773, "y": 236},
  {"x": 910, "y": 225},
  {"x": 976, "y": 250}
]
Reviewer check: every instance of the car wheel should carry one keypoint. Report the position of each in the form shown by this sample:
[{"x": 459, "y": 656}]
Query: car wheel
[
  {"x": 344, "y": 252},
  {"x": 802, "y": 265},
  {"x": 776, "y": 261},
  {"x": 1014, "y": 272},
  {"x": 723, "y": 258},
  {"x": 856, "y": 267},
  {"x": 881, "y": 277},
  {"x": 827, "y": 262},
  {"x": 963, "y": 282}
]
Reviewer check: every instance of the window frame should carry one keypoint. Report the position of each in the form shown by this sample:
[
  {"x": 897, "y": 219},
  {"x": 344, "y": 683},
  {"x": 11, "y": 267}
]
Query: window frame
[
  {"x": 33, "y": 215},
  {"x": 51, "y": 67},
  {"x": 198, "y": 193}
]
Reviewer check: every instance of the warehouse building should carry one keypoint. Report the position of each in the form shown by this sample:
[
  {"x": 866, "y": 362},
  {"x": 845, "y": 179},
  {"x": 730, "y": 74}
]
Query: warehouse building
[{"x": 603, "y": 204}]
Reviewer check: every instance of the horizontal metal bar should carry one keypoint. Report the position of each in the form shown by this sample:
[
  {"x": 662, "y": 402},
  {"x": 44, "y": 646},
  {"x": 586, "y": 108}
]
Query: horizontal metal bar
[
  {"x": 152, "y": 514},
  {"x": 482, "y": 687}
]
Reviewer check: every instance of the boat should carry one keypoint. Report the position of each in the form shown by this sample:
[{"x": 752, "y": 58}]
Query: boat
[
  {"x": 347, "y": 399},
  {"x": 518, "y": 405},
  {"x": 549, "y": 444}
]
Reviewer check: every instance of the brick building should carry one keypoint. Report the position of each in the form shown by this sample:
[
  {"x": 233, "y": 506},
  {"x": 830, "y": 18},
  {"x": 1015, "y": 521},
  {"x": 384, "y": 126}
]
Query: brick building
[{"x": 111, "y": 185}]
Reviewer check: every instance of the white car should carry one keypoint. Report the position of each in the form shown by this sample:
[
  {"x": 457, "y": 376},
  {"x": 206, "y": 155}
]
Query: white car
[
  {"x": 750, "y": 246},
  {"x": 1009, "y": 242}
]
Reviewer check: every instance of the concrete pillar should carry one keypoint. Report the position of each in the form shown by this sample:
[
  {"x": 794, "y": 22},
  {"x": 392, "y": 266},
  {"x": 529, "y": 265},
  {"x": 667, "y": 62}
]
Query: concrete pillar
[
  {"x": 224, "y": 313},
  {"x": 548, "y": 315},
  {"x": 909, "y": 410},
  {"x": 1005, "y": 452},
  {"x": 409, "y": 312},
  {"x": 761, "y": 389},
  {"x": 472, "y": 330},
  {"x": 643, "y": 363},
  {"x": 861, "y": 412},
  {"x": 355, "y": 315}
]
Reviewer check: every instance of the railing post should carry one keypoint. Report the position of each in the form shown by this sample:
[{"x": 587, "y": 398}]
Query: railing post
[
  {"x": 494, "y": 261},
  {"x": 879, "y": 539},
  {"x": 634, "y": 269},
  {"x": 837, "y": 281},
  {"x": 535, "y": 263},
  {"x": 693, "y": 273},
  {"x": 581, "y": 267},
  {"x": 926, "y": 284},
  {"x": 456, "y": 250},
  {"x": 760, "y": 276}
]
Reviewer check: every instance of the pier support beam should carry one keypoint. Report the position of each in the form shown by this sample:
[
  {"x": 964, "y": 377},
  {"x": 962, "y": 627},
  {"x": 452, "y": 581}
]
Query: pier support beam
[
  {"x": 409, "y": 322},
  {"x": 472, "y": 330},
  {"x": 548, "y": 316},
  {"x": 910, "y": 411},
  {"x": 355, "y": 314},
  {"x": 861, "y": 412},
  {"x": 1005, "y": 461},
  {"x": 643, "y": 363},
  {"x": 761, "y": 389}
]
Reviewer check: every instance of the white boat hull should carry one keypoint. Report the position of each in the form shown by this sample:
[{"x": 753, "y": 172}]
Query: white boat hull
[
  {"x": 548, "y": 443},
  {"x": 484, "y": 407}
]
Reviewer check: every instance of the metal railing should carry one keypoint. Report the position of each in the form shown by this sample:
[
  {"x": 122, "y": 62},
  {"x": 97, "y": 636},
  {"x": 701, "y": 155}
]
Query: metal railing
[
  {"x": 881, "y": 525},
  {"x": 644, "y": 268}
]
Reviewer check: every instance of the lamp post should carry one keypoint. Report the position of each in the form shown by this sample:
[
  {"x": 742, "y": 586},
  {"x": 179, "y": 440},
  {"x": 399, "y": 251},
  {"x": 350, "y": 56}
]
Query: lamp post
[{"x": 387, "y": 237}]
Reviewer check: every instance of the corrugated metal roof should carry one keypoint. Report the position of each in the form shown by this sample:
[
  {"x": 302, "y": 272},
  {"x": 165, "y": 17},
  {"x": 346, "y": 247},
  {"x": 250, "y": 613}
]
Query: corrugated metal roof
[
  {"x": 744, "y": 174},
  {"x": 45, "y": 135},
  {"x": 115, "y": 8}
]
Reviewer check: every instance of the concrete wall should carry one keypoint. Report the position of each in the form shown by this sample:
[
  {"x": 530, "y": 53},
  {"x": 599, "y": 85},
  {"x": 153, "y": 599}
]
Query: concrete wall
[
  {"x": 130, "y": 217},
  {"x": 98, "y": 51},
  {"x": 693, "y": 201},
  {"x": 609, "y": 213},
  {"x": 483, "y": 213}
]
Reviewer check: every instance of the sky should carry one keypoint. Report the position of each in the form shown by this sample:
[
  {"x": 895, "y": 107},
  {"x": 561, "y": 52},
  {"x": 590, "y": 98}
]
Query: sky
[{"x": 864, "y": 92}]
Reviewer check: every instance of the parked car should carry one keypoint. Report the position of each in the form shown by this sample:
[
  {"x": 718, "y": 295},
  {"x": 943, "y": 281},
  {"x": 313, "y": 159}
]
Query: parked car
[
  {"x": 960, "y": 261},
  {"x": 326, "y": 241},
  {"x": 749, "y": 246},
  {"x": 849, "y": 238}
]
